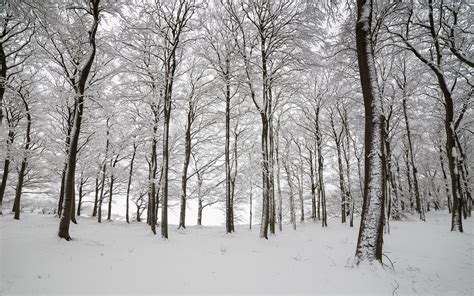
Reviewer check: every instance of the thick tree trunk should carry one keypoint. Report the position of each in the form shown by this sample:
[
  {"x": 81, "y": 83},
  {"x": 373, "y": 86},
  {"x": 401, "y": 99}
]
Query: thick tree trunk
[
  {"x": 76, "y": 128},
  {"x": 70, "y": 172},
  {"x": 369, "y": 244}
]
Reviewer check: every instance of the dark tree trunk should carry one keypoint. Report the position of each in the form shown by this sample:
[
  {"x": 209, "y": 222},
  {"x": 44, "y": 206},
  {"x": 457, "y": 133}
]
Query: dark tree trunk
[
  {"x": 6, "y": 167},
  {"x": 292, "y": 199},
  {"x": 412, "y": 161},
  {"x": 3, "y": 78},
  {"x": 166, "y": 128},
  {"x": 96, "y": 196},
  {"x": 129, "y": 184},
  {"x": 187, "y": 156},
  {"x": 228, "y": 204},
  {"x": 313, "y": 185},
  {"x": 79, "y": 101},
  {"x": 24, "y": 162},
  {"x": 445, "y": 179},
  {"x": 369, "y": 244},
  {"x": 104, "y": 174},
  {"x": 280, "y": 197},
  {"x": 321, "y": 190},
  {"x": 151, "y": 219},
  {"x": 111, "y": 190},
  {"x": 81, "y": 185}
]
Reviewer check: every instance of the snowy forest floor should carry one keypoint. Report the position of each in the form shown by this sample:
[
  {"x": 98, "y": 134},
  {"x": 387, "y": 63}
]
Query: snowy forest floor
[{"x": 115, "y": 258}]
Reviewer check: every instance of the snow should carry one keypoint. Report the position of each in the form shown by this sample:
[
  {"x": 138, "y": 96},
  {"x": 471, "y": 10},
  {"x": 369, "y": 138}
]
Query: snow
[{"x": 117, "y": 259}]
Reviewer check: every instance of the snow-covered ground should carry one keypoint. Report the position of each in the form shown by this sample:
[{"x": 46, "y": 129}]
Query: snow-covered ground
[{"x": 115, "y": 258}]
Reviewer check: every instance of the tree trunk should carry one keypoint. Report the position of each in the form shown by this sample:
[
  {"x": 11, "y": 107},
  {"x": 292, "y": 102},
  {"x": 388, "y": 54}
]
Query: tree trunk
[
  {"x": 96, "y": 196},
  {"x": 313, "y": 185},
  {"x": 184, "y": 177},
  {"x": 129, "y": 184},
  {"x": 151, "y": 219},
  {"x": 111, "y": 190},
  {"x": 76, "y": 128},
  {"x": 164, "y": 207},
  {"x": 280, "y": 198},
  {"x": 369, "y": 244},
  {"x": 6, "y": 167},
  {"x": 292, "y": 199},
  {"x": 265, "y": 179},
  {"x": 445, "y": 179},
  {"x": 104, "y": 173},
  {"x": 24, "y": 162},
  {"x": 79, "y": 203},
  {"x": 227, "y": 150},
  {"x": 412, "y": 161}
]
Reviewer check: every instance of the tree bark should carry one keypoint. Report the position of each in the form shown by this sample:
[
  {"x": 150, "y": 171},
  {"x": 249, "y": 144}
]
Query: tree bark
[{"x": 369, "y": 244}]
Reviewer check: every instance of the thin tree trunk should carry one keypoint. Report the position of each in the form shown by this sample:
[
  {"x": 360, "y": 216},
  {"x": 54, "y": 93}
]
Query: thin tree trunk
[
  {"x": 96, "y": 196},
  {"x": 24, "y": 162},
  {"x": 184, "y": 176},
  {"x": 445, "y": 179},
  {"x": 111, "y": 190},
  {"x": 412, "y": 161},
  {"x": 313, "y": 185},
  {"x": 79, "y": 203},
  {"x": 6, "y": 167},
  {"x": 129, "y": 184}
]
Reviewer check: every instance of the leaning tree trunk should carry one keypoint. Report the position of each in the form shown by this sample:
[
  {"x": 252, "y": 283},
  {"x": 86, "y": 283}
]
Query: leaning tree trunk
[
  {"x": 369, "y": 244},
  {"x": 76, "y": 129}
]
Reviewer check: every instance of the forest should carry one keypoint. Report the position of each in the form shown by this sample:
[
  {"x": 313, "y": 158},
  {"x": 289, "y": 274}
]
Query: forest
[{"x": 177, "y": 127}]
